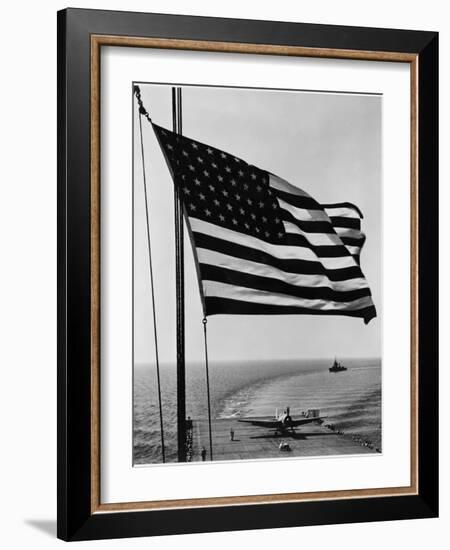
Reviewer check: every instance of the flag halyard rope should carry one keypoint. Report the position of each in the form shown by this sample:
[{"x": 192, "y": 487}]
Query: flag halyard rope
[
  {"x": 205, "y": 322},
  {"x": 143, "y": 112}
]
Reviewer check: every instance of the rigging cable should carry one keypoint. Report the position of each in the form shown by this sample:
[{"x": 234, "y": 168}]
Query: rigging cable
[
  {"x": 205, "y": 321},
  {"x": 143, "y": 112}
]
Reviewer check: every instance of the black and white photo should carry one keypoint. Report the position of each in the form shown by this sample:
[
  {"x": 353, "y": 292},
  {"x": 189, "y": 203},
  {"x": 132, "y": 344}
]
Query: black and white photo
[{"x": 257, "y": 246}]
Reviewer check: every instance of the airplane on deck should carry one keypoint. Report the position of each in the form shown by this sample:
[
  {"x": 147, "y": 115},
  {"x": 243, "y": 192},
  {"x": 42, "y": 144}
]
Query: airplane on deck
[{"x": 284, "y": 422}]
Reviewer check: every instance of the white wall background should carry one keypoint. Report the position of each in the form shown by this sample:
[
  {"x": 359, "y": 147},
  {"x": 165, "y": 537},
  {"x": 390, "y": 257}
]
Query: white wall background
[{"x": 28, "y": 274}]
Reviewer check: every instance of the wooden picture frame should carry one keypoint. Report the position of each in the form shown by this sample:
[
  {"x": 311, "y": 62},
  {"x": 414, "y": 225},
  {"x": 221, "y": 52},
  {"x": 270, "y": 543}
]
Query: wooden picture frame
[{"x": 81, "y": 35}]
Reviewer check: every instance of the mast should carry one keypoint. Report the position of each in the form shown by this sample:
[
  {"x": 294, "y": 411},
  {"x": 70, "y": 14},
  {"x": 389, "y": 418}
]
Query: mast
[{"x": 179, "y": 291}]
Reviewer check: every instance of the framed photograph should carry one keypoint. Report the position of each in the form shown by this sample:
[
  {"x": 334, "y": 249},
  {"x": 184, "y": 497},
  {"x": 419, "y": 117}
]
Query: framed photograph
[{"x": 247, "y": 263}]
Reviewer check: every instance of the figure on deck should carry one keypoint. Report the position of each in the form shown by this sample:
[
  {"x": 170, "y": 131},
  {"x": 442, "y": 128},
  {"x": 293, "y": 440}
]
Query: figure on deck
[{"x": 203, "y": 453}]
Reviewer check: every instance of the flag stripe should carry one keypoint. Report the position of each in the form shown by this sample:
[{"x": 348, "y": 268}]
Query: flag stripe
[
  {"x": 271, "y": 285},
  {"x": 321, "y": 251},
  {"x": 295, "y": 248},
  {"x": 354, "y": 250},
  {"x": 344, "y": 218},
  {"x": 259, "y": 256},
  {"x": 214, "y": 258},
  {"x": 315, "y": 239},
  {"x": 321, "y": 227},
  {"x": 224, "y": 290},
  {"x": 314, "y": 221},
  {"x": 343, "y": 212},
  {"x": 285, "y": 187},
  {"x": 282, "y": 252},
  {"x": 216, "y": 305},
  {"x": 341, "y": 221},
  {"x": 349, "y": 207},
  {"x": 301, "y": 208},
  {"x": 346, "y": 233},
  {"x": 300, "y": 201},
  {"x": 353, "y": 241},
  {"x": 306, "y": 214}
]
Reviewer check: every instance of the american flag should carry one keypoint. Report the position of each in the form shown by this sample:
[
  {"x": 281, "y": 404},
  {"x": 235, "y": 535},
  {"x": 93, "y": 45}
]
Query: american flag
[{"x": 262, "y": 245}]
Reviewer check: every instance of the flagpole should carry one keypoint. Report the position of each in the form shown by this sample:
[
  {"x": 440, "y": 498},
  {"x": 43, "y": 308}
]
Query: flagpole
[{"x": 179, "y": 272}]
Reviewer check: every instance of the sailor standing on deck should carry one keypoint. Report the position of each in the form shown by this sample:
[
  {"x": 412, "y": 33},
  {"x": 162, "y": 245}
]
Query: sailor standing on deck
[{"x": 203, "y": 453}]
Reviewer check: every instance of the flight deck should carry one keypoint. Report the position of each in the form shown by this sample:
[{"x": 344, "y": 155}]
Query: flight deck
[{"x": 255, "y": 442}]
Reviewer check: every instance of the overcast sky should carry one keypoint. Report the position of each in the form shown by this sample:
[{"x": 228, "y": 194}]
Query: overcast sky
[{"x": 327, "y": 144}]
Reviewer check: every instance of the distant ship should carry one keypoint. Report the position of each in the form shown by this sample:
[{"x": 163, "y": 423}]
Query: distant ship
[{"x": 337, "y": 367}]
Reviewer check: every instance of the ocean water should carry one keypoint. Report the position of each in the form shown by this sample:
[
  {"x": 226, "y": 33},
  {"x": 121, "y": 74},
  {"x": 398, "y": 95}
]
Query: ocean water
[{"x": 350, "y": 400}]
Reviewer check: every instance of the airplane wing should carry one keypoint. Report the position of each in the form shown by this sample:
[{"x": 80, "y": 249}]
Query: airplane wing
[
  {"x": 302, "y": 421},
  {"x": 262, "y": 423}
]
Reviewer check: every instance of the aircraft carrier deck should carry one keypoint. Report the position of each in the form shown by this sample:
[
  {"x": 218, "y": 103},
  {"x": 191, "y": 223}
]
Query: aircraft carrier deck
[{"x": 252, "y": 442}]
